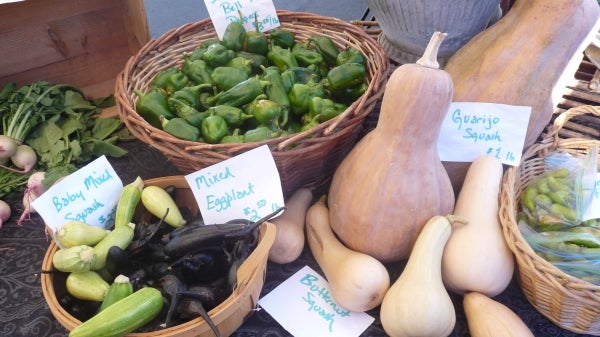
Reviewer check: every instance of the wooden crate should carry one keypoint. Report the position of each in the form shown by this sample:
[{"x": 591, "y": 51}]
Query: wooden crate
[{"x": 85, "y": 43}]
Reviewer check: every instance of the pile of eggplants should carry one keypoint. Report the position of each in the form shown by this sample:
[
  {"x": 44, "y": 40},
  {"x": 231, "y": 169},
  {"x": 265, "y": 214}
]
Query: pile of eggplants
[{"x": 195, "y": 266}]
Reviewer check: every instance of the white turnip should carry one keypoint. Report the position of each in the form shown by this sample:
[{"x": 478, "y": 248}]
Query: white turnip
[
  {"x": 8, "y": 147},
  {"x": 4, "y": 212},
  {"x": 24, "y": 158},
  {"x": 35, "y": 183}
]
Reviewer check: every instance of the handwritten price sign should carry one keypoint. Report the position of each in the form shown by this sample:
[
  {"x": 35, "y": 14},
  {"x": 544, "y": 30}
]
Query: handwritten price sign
[
  {"x": 88, "y": 195},
  {"x": 474, "y": 129},
  {"x": 303, "y": 305},
  {"x": 254, "y": 13},
  {"x": 246, "y": 186}
]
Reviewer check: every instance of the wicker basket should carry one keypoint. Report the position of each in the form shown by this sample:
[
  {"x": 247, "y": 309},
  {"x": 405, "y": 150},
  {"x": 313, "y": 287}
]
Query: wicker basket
[
  {"x": 303, "y": 159},
  {"x": 567, "y": 301},
  {"x": 227, "y": 316}
]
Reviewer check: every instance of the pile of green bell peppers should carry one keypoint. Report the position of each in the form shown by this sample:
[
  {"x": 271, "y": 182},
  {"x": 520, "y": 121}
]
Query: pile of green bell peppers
[{"x": 251, "y": 86}]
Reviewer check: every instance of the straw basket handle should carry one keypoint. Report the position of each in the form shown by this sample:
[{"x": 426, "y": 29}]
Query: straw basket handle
[
  {"x": 552, "y": 139},
  {"x": 564, "y": 117}
]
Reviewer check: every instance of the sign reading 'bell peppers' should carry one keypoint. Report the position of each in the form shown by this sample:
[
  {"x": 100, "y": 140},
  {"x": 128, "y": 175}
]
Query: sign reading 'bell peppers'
[{"x": 253, "y": 13}]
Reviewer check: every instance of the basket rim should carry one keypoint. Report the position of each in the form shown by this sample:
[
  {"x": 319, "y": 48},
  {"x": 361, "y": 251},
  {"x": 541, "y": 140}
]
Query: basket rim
[
  {"x": 248, "y": 272},
  {"x": 379, "y": 67}
]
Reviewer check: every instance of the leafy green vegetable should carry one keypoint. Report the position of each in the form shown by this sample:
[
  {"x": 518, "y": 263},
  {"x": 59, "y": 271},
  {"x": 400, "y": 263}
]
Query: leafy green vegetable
[{"x": 61, "y": 125}]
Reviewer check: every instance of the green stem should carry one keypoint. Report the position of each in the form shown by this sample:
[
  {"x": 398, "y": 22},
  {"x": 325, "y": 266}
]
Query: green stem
[{"x": 17, "y": 115}]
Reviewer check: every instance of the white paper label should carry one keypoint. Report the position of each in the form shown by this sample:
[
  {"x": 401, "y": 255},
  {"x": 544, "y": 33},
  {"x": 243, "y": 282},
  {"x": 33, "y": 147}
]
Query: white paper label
[
  {"x": 89, "y": 195},
  {"x": 474, "y": 129},
  {"x": 303, "y": 306},
  {"x": 246, "y": 186},
  {"x": 253, "y": 12}
]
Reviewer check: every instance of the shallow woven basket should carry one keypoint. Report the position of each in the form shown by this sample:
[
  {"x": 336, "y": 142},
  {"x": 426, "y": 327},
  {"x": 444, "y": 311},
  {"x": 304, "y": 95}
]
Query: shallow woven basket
[
  {"x": 227, "y": 316},
  {"x": 303, "y": 159},
  {"x": 567, "y": 301}
]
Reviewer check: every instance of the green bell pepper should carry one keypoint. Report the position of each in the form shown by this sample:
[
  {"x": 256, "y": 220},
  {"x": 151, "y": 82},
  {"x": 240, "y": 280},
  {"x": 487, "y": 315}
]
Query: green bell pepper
[
  {"x": 242, "y": 93},
  {"x": 175, "y": 82},
  {"x": 190, "y": 95},
  {"x": 256, "y": 61},
  {"x": 289, "y": 79},
  {"x": 242, "y": 63},
  {"x": 281, "y": 58},
  {"x": 350, "y": 55},
  {"x": 276, "y": 90},
  {"x": 152, "y": 105},
  {"x": 217, "y": 55},
  {"x": 234, "y": 35},
  {"x": 300, "y": 95},
  {"x": 326, "y": 47},
  {"x": 259, "y": 134},
  {"x": 267, "y": 112},
  {"x": 234, "y": 116},
  {"x": 225, "y": 78},
  {"x": 255, "y": 41},
  {"x": 306, "y": 56},
  {"x": 178, "y": 127},
  {"x": 214, "y": 128},
  {"x": 187, "y": 112},
  {"x": 325, "y": 108},
  {"x": 345, "y": 76},
  {"x": 234, "y": 138},
  {"x": 282, "y": 38},
  {"x": 197, "y": 71},
  {"x": 160, "y": 79}
]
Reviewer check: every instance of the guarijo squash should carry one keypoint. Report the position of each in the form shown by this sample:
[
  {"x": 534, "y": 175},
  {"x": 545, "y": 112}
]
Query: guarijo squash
[
  {"x": 524, "y": 59},
  {"x": 392, "y": 182}
]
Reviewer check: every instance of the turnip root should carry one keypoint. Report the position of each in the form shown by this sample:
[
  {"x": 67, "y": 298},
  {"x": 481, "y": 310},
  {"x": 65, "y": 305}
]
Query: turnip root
[{"x": 35, "y": 188}]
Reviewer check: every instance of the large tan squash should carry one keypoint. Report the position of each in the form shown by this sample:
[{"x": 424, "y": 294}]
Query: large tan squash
[
  {"x": 524, "y": 59},
  {"x": 392, "y": 182}
]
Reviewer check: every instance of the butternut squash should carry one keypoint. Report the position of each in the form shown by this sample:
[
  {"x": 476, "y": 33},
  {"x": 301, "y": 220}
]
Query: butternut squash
[
  {"x": 476, "y": 257},
  {"x": 524, "y": 59},
  {"x": 417, "y": 304},
  {"x": 289, "y": 237},
  {"x": 393, "y": 181},
  {"x": 358, "y": 282},
  {"x": 489, "y": 318}
]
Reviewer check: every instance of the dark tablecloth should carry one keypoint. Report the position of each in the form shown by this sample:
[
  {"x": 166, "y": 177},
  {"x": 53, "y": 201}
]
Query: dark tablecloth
[{"x": 24, "y": 312}]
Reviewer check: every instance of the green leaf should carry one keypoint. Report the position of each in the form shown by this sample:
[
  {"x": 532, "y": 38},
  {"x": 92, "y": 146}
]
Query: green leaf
[
  {"x": 72, "y": 125},
  {"x": 104, "y": 127},
  {"x": 104, "y": 148}
]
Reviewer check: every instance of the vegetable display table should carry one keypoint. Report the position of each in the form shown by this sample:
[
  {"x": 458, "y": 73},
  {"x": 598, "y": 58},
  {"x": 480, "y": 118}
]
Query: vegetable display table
[{"x": 24, "y": 311}]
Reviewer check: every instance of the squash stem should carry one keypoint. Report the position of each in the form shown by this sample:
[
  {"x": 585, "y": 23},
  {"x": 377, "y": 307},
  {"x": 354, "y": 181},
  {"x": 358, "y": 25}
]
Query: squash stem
[{"x": 429, "y": 58}]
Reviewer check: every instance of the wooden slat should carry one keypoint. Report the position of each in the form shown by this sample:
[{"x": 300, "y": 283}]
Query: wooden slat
[{"x": 84, "y": 43}]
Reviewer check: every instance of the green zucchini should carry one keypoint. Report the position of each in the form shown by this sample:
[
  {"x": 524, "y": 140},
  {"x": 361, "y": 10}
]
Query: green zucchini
[
  {"x": 125, "y": 316},
  {"x": 119, "y": 289},
  {"x": 87, "y": 285},
  {"x": 157, "y": 201},
  {"x": 120, "y": 236},
  {"x": 128, "y": 201}
]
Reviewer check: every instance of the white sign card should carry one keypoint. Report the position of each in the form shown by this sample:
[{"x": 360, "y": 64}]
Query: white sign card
[
  {"x": 253, "y": 12},
  {"x": 302, "y": 304},
  {"x": 473, "y": 129},
  {"x": 246, "y": 186},
  {"x": 89, "y": 195},
  {"x": 593, "y": 211}
]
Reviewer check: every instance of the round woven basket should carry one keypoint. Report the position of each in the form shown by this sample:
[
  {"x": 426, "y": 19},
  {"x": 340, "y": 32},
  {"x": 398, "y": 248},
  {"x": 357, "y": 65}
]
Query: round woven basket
[
  {"x": 227, "y": 316},
  {"x": 567, "y": 301},
  {"x": 304, "y": 159}
]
